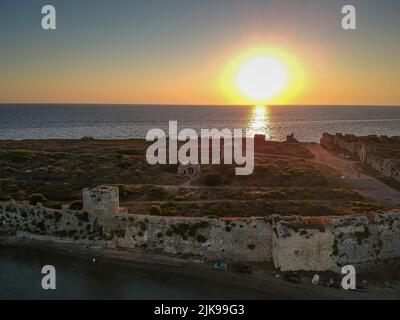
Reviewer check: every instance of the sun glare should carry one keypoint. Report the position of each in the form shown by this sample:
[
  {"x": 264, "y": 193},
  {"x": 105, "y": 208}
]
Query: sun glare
[
  {"x": 261, "y": 77},
  {"x": 260, "y": 123}
]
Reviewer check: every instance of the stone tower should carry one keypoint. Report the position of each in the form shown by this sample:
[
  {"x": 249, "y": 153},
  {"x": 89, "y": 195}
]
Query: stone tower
[{"x": 102, "y": 199}]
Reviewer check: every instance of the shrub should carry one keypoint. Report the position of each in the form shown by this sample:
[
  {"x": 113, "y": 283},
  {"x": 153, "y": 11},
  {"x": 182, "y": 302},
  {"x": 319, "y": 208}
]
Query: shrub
[
  {"x": 37, "y": 197},
  {"x": 171, "y": 168},
  {"x": 181, "y": 229},
  {"x": 83, "y": 217},
  {"x": 155, "y": 210},
  {"x": 54, "y": 205},
  {"x": 20, "y": 195},
  {"x": 76, "y": 205},
  {"x": 17, "y": 155},
  {"x": 200, "y": 238},
  {"x": 157, "y": 193},
  {"x": 130, "y": 152},
  {"x": 124, "y": 164},
  {"x": 363, "y": 206},
  {"x": 275, "y": 194},
  {"x": 41, "y": 226},
  {"x": 124, "y": 191},
  {"x": 169, "y": 233},
  {"x": 87, "y": 138},
  {"x": 119, "y": 233},
  {"x": 57, "y": 216},
  {"x": 212, "y": 179},
  {"x": 143, "y": 225}
]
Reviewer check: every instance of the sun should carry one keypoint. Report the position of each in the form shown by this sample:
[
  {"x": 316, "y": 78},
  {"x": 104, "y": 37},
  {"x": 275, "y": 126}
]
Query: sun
[{"x": 261, "y": 77}]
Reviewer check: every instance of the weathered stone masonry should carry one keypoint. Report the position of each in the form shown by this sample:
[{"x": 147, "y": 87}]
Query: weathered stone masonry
[
  {"x": 301, "y": 243},
  {"x": 233, "y": 240},
  {"x": 380, "y": 153},
  {"x": 291, "y": 243},
  {"x": 65, "y": 223}
]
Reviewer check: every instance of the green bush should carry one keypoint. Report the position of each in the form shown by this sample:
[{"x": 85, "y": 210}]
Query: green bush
[
  {"x": 200, "y": 238},
  {"x": 124, "y": 191},
  {"x": 157, "y": 193},
  {"x": 76, "y": 205},
  {"x": 212, "y": 179},
  {"x": 87, "y": 138},
  {"x": 130, "y": 152},
  {"x": 17, "y": 155},
  {"x": 83, "y": 217},
  {"x": 37, "y": 197},
  {"x": 275, "y": 194},
  {"x": 124, "y": 164},
  {"x": 155, "y": 210},
  {"x": 171, "y": 168}
]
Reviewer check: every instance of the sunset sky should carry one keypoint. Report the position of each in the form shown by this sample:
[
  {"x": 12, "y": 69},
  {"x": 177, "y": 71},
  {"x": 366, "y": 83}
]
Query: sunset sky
[{"x": 181, "y": 51}]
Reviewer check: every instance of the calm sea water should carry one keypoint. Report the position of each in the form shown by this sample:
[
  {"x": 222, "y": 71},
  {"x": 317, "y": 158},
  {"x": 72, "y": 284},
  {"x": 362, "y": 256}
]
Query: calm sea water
[
  {"x": 133, "y": 121},
  {"x": 79, "y": 278}
]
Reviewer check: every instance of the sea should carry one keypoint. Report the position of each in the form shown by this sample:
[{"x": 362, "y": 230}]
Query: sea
[
  {"x": 307, "y": 123},
  {"x": 80, "y": 278}
]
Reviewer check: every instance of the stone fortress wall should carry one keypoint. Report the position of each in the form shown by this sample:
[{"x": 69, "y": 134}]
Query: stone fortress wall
[
  {"x": 321, "y": 244},
  {"x": 381, "y": 153},
  {"x": 290, "y": 243}
]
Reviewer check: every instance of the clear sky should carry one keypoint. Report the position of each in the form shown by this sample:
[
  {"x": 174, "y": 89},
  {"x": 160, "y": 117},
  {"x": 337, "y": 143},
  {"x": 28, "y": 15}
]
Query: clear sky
[{"x": 177, "y": 51}]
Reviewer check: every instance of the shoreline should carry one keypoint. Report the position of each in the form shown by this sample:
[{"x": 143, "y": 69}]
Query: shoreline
[{"x": 262, "y": 280}]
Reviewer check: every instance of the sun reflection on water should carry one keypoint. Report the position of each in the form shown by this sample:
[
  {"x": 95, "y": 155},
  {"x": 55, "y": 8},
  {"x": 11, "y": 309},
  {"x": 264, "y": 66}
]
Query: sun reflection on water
[{"x": 260, "y": 122}]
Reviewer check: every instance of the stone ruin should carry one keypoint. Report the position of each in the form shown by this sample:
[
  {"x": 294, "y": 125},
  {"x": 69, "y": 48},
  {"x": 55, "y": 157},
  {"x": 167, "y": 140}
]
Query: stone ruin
[
  {"x": 381, "y": 153},
  {"x": 291, "y": 243},
  {"x": 189, "y": 169},
  {"x": 291, "y": 139},
  {"x": 102, "y": 199}
]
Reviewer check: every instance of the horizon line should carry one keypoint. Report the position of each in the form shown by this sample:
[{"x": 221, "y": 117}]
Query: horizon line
[{"x": 198, "y": 104}]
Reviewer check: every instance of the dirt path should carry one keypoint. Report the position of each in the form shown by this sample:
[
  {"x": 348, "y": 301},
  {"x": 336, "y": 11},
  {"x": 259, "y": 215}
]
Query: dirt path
[
  {"x": 128, "y": 203},
  {"x": 366, "y": 185}
]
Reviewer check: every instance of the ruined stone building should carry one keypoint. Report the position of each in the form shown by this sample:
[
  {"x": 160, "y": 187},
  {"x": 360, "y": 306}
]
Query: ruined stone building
[{"x": 381, "y": 153}]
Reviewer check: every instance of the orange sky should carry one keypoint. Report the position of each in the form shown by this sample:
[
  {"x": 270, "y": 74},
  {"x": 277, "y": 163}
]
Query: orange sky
[{"x": 181, "y": 59}]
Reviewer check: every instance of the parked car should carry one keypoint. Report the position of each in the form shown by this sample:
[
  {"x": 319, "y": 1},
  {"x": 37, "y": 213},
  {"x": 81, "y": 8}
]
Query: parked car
[
  {"x": 242, "y": 268},
  {"x": 220, "y": 266},
  {"x": 332, "y": 282},
  {"x": 292, "y": 277}
]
